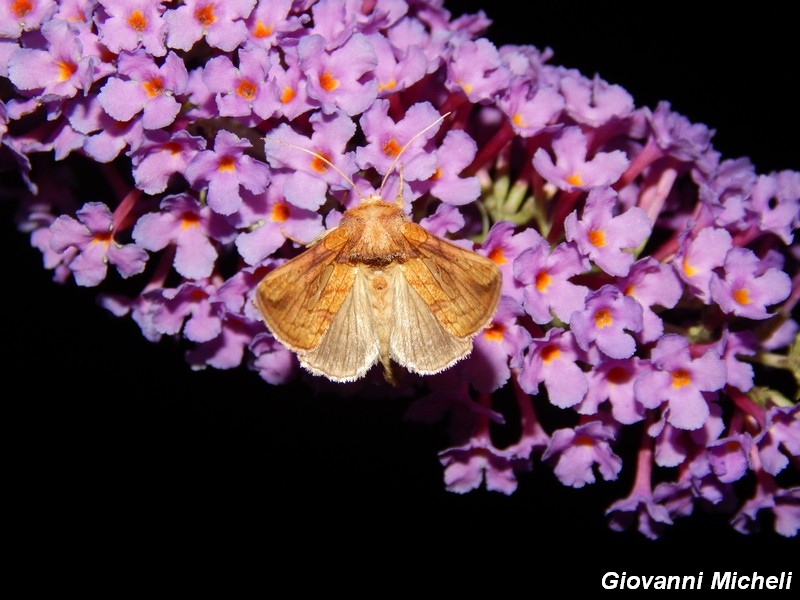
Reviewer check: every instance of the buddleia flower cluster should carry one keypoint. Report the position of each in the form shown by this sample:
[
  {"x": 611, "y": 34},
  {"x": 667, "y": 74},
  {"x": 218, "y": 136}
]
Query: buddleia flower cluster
[{"x": 648, "y": 282}]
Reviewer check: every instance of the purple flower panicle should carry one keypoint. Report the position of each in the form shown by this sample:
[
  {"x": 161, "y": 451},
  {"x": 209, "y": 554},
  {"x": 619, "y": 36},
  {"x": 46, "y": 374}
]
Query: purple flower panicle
[{"x": 648, "y": 283}]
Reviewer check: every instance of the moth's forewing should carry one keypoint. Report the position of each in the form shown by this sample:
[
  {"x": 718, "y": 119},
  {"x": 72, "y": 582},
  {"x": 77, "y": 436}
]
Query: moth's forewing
[
  {"x": 419, "y": 342},
  {"x": 300, "y": 299},
  {"x": 350, "y": 347},
  {"x": 461, "y": 288}
]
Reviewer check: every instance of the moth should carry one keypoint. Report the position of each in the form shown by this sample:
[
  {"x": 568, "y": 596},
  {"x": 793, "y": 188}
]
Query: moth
[{"x": 379, "y": 288}]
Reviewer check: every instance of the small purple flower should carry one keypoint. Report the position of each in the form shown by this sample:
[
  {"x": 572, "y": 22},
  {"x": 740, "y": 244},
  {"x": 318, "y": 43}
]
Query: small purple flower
[
  {"x": 503, "y": 340},
  {"x": 453, "y": 156},
  {"x": 148, "y": 89},
  {"x": 387, "y": 139},
  {"x": 748, "y": 287},
  {"x": 783, "y": 503},
  {"x": 273, "y": 222},
  {"x": 193, "y": 307},
  {"x": 270, "y": 21},
  {"x": 594, "y": 102},
  {"x": 531, "y": 110},
  {"x": 776, "y": 203},
  {"x": 579, "y": 450},
  {"x": 56, "y": 73},
  {"x": 161, "y": 155},
  {"x": 572, "y": 170},
  {"x": 680, "y": 380},
  {"x": 651, "y": 283},
  {"x": 698, "y": 257},
  {"x": 676, "y": 135},
  {"x": 340, "y": 80},
  {"x": 308, "y": 175},
  {"x": 227, "y": 349},
  {"x": 675, "y": 446},
  {"x": 552, "y": 359},
  {"x": 779, "y": 438},
  {"x": 220, "y": 21},
  {"x": 641, "y": 507},
  {"x": 446, "y": 219},
  {"x": 545, "y": 275},
  {"x": 92, "y": 234},
  {"x": 503, "y": 246},
  {"x": 469, "y": 465},
  {"x": 225, "y": 169},
  {"x": 17, "y": 16},
  {"x": 476, "y": 69},
  {"x": 613, "y": 380},
  {"x": 273, "y": 361},
  {"x": 606, "y": 239},
  {"x": 244, "y": 90},
  {"x": 188, "y": 225},
  {"x": 396, "y": 73},
  {"x": 604, "y": 320},
  {"x": 291, "y": 85},
  {"x": 730, "y": 457},
  {"x": 132, "y": 24}
]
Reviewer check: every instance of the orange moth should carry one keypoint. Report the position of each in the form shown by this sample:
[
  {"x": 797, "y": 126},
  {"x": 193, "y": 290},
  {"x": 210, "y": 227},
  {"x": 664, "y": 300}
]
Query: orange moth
[{"x": 379, "y": 287}]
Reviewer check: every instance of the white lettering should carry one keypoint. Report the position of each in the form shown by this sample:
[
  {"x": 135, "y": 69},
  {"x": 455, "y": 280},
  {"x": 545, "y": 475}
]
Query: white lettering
[
  {"x": 721, "y": 581},
  {"x": 691, "y": 579},
  {"x": 610, "y": 580},
  {"x": 633, "y": 582},
  {"x": 746, "y": 580},
  {"x": 757, "y": 580},
  {"x": 772, "y": 582}
]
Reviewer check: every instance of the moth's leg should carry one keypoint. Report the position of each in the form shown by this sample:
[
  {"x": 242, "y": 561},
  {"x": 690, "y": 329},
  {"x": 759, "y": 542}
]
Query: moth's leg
[{"x": 388, "y": 372}]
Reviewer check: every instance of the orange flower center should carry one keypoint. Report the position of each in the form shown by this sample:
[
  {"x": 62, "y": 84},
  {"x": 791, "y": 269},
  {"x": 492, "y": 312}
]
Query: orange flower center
[
  {"x": 583, "y": 440},
  {"x": 550, "y": 353},
  {"x": 680, "y": 378},
  {"x": 205, "y": 15},
  {"x": 137, "y": 21},
  {"x": 287, "y": 95},
  {"x": 494, "y": 332},
  {"x": 153, "y": 87},
  {"x": 21, "y": 8},
  {"x": 226, "y": 163},
  {"x": 742, "y": 296},
  {"x": 261, "y": 30},
  {"x": 575, "y": 179},
  {"x": 189, "y": 219},
  {"x": 391, "y": 147},
  {"x": 497, "y": 257},
  {"x": 688, "y": 269},
  {"x": 543, "y": 280},
  {"x": 247, "y": 89},
  {"x": 102, "y": 237},
  {"x": 597, "y": 237},
  {"x": 389, "y": 85},
  {"x": 328, "y": 82},
  {"x": 66, "y": 69},
  {"x": 603, "y": 318},
  {"x": 280, "y": 212},
  {"x": 319, "y": 164}
]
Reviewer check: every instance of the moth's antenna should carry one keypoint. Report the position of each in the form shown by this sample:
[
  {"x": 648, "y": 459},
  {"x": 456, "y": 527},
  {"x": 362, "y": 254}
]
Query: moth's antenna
[
  {"x": 403, "y": 149},
  {"x": 319, "y": 156}
]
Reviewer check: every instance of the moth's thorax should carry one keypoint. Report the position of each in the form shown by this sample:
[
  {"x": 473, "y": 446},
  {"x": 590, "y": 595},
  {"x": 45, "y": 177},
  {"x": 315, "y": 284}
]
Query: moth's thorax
[{"x": 374, "y": 232}]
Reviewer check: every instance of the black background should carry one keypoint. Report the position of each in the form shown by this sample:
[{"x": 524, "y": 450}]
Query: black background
[{"x": 116, "y": 443}]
